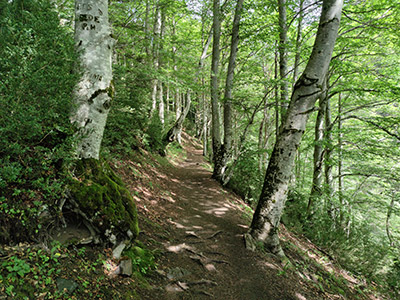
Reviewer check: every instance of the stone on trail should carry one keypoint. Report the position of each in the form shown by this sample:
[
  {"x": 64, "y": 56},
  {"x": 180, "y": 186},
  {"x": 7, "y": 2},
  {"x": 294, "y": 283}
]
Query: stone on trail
[
  {"x": 126, "y": 267},
  {"x": 118, "y": 250}
]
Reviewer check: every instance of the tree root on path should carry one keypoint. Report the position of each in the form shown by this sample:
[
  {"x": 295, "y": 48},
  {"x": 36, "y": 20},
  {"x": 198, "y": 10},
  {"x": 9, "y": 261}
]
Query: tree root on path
[{"x": 214, "y": 234}]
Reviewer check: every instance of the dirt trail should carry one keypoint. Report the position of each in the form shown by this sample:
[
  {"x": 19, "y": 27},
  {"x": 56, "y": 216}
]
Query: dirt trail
[{"x": 205, "y": 257}]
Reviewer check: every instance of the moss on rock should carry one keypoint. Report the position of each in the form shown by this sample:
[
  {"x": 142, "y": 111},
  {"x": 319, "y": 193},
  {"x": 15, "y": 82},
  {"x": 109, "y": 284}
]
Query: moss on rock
[{"x": 101, "y": 195}]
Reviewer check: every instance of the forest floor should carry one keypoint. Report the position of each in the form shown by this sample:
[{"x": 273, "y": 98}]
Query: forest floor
[
  {"x": 195, "y": 228},
  {"x": 198, "y": 227}
]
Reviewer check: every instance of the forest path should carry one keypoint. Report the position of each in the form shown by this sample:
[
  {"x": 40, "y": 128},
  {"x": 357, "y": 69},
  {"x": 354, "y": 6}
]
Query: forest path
[{"x": 204, "y": 256}]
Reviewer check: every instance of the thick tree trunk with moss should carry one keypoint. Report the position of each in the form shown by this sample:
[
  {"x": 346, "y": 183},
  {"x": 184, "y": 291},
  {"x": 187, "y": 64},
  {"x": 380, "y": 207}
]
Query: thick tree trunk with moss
[
  {"x": 94, "y": 92},
  {"x": 264, "y": 227},
  {"x": 96, "y": 195},
  {"x": 99, "y": 197}
]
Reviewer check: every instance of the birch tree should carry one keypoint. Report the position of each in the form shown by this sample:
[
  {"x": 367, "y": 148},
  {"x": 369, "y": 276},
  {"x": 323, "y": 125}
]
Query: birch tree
[
  {"x": 264, "y": 227},
  {"x": 94, "y": 92}
]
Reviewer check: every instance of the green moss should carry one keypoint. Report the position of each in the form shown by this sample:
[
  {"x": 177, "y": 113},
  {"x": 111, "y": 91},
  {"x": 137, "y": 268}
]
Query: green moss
[
  {"x": 143, "y": 260},
  {"x": 101, "y": 195}
]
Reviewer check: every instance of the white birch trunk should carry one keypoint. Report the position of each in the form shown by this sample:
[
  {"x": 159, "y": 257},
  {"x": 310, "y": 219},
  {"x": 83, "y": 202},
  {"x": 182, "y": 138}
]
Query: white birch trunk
[
  {"x": 264, "y": 227},
  {"x": 94, "y": 92}
]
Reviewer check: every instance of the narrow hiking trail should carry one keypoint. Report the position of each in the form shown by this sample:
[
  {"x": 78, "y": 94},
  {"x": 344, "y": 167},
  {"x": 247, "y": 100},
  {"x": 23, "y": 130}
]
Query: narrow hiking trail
[{"x": 204, "y": 256}]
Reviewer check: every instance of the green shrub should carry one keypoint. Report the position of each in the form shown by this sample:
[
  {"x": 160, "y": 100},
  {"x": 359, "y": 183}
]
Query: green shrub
[
  {"x": 36, "y": 81},
  {"x": 128, "y": 117},
  {"x": 247, "y": 181}
]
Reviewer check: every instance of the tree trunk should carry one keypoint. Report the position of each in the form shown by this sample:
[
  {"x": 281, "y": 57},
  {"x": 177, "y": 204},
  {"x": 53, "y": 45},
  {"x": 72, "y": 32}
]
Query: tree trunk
[
  {"x": 156, "y": 62},
  {"x": 277, "y": 104},
  {"x": 298, "y": 42},
  {"x": 283, "y": 61},
  {"x": 94, "y": 92},
  {"x": 264, "y": 227},
  {"x": 160, "y": 90},
  {"x": 340, "y": 164},
  {"x": 388, "y": 215},
  {"x": 226, "y": 149},
  {"x": 216, "y": 130},
  {"x": 316, "y": 188},
  {"x": 205, "y": 127},
  {"x": 174, "y": 134},
  {"x": 229, "y": 81},
  {"x": 328, "y": 164},
  {"x": 178, "y": 104},
  {"x": 147, "y": 29}
]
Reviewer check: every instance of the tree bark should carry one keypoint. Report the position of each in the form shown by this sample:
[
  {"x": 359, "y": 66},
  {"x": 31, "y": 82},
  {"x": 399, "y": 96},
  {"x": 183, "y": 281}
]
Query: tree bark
[
  {"x": 225, "y": 151},
  {"x": 229, "y": 81},
  {"x": 174, "y": 134},
  {"x": 316, "y": 187},
  {"x": 160, "y": 90},
  {"x": 94, "y": 92},
  {"x": 215, "y": 113},
  {"x": 264, "y": 227},
  {"x": 298, "y": 42},
  {"x": 156, "y": 62},
  {"x": 328, "y": 164},
  {"x": 283, "y": 60},
  {"x": 277, "y": 104}
]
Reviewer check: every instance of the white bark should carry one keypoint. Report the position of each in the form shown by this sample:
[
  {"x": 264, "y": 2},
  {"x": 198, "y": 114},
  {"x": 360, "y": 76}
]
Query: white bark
[
  {"x": 94, "y": 92},
  {"x": 264, "y": 227}
]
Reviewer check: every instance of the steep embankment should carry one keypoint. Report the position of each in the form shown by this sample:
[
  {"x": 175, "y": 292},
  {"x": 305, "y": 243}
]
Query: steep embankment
[{"x": 198, "y": 227}]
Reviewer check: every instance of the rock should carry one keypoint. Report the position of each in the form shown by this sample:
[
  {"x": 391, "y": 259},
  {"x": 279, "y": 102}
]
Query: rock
[
  {"x": 118, "y": 250},
  {"x": 66, "y": 285},
  {"x": 177, "y": 273},
  {"x": 126, "y": 267}
]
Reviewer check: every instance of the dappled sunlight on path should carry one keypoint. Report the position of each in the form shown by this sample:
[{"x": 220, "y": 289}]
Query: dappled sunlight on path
[{"x": 206, "y": 246}]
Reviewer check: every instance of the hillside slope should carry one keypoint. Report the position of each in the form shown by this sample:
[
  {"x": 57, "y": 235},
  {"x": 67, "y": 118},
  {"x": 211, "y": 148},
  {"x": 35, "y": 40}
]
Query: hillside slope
[{"x": 194, "y": 228}]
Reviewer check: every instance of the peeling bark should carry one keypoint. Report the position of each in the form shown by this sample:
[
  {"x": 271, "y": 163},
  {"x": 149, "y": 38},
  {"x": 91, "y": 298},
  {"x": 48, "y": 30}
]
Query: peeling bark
[
  {"x": 94, "y": 92},
  {"x": 267, "y": 216}
]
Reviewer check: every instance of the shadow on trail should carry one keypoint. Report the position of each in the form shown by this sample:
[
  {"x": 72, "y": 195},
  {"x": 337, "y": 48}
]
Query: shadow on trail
[{"x": 205, "y": 257}]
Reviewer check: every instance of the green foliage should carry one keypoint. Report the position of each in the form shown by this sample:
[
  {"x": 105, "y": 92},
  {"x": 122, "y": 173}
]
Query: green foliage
[
  {"x": 128, "y": 117},
  {"x": 154, "y": 135},
  {"x": 36, "y": 81},
  {"x": 393, "y": 275},
  {"x": 143, "y": 260},
  {"x": 247, "y": 181},
  {"x": 28, "y": 266}
]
